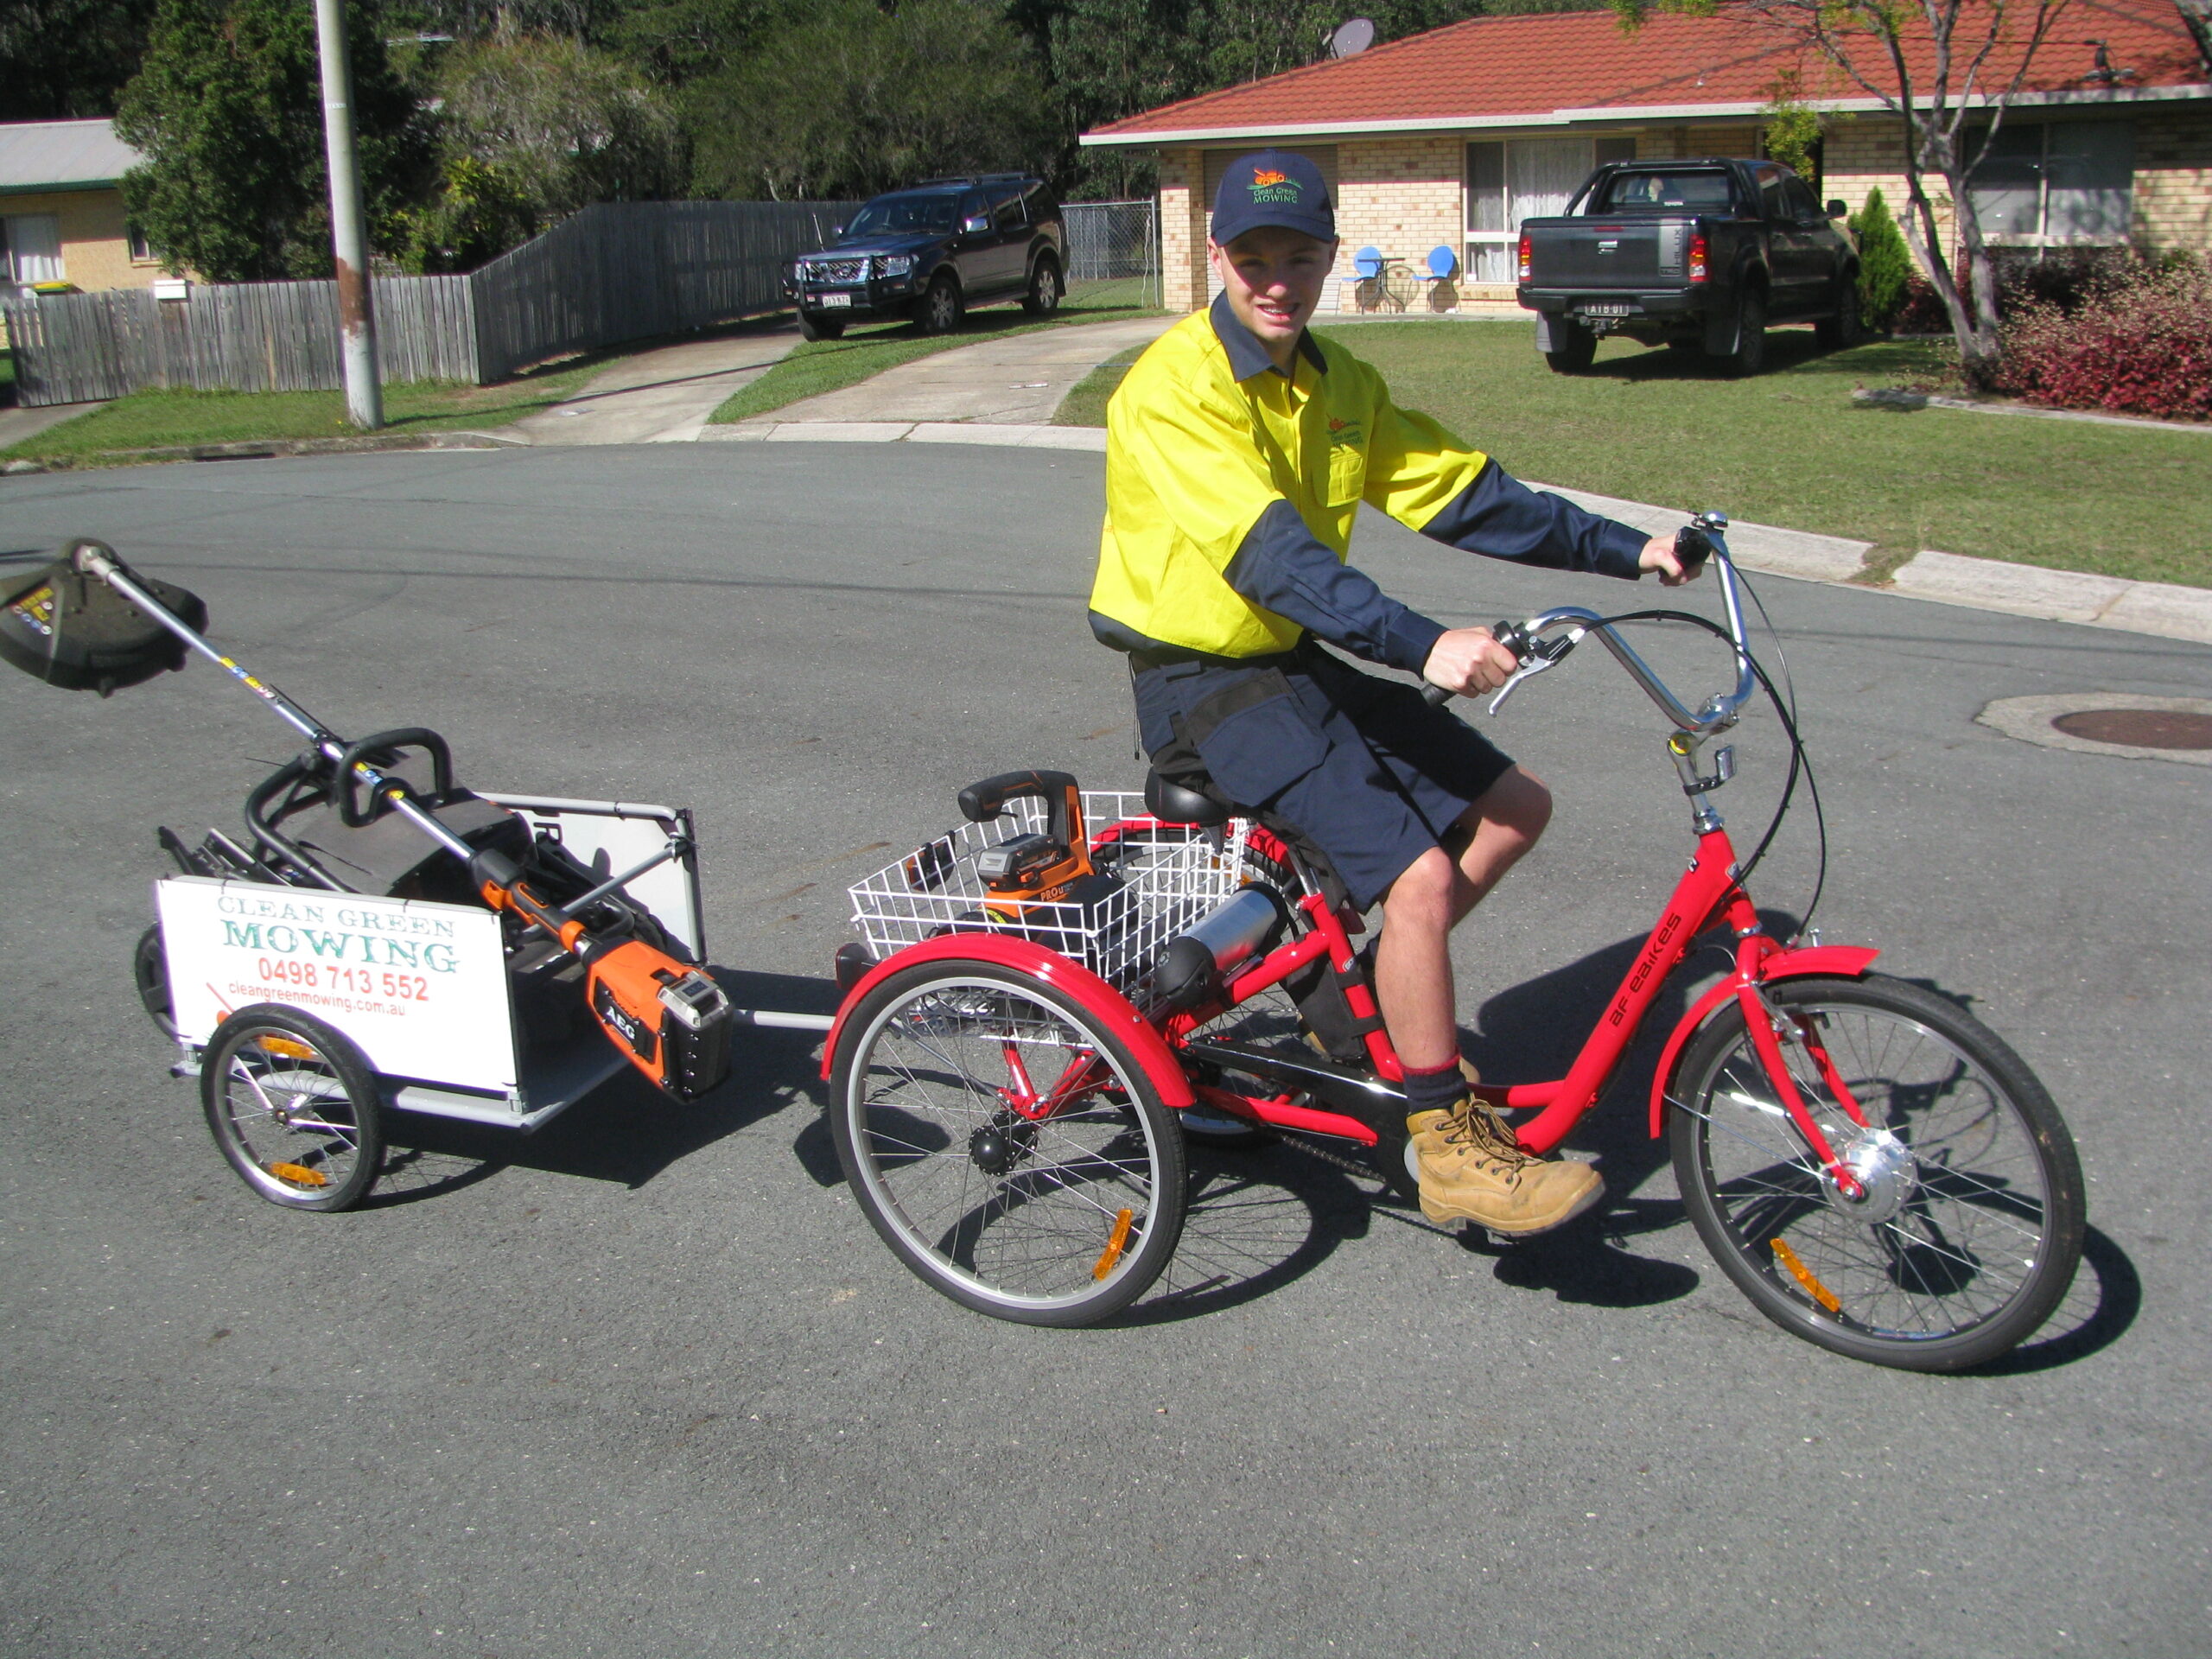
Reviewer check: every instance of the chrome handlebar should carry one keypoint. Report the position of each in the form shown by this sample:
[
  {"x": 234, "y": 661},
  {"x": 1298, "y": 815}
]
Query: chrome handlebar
[{"x": 1717, "y": 713}]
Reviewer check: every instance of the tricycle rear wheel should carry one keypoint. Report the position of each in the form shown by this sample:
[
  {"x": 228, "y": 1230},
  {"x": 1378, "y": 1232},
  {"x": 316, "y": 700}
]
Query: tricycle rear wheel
[
  {"x": 293, "y": 1106},
  {"x": 1063, "y": 1218}
]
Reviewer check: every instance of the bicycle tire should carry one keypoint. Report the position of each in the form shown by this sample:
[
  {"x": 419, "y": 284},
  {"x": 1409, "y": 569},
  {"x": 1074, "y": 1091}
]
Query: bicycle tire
[
  {"x": 1972, "y": 1224},
  {"x": 1060, "y": 1222},
  {"x": 294, "y": 1107}
]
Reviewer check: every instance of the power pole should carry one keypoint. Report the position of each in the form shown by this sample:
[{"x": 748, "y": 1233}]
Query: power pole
[{"x": 357, "y": 317}]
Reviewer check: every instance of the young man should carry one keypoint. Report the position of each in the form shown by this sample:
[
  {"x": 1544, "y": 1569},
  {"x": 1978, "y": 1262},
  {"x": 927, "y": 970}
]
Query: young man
[{"x": 1238, "y": 451}]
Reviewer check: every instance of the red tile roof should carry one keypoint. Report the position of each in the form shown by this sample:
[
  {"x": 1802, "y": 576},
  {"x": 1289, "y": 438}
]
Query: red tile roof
[{"x": 1581, "y": 65}]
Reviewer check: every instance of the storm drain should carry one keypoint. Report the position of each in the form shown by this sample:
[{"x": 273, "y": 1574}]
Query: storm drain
[
  {"x": 2110, "y": 722},
  {"x": 2140, "y": 729}
]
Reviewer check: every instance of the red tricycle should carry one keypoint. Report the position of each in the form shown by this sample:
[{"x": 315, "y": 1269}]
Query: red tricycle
[{"x": 1041, "y": 1012}]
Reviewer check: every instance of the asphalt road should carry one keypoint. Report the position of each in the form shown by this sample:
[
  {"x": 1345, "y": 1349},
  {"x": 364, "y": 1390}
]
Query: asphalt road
[{"x": 646, "y": 1384}]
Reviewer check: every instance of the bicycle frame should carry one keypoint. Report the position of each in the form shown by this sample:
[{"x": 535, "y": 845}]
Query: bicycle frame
[{"x": 1707, "y": 892}]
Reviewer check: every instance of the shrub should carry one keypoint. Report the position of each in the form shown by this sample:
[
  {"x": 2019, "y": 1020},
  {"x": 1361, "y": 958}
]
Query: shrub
[
  {"x": 1922, "y": 311},
  {"x": 2139, "y": 342},
  {"x": 1885, "y": 264}
]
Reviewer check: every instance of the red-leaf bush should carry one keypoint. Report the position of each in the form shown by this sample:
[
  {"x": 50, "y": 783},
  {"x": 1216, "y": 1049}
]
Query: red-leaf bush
[{"x": 2138, "y": 341}]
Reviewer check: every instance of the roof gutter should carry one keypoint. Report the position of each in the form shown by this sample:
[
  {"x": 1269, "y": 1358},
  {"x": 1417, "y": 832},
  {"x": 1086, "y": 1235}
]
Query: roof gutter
[
  {"x": 1618, "y": 115},
  {"x": 59, "y": 186}
]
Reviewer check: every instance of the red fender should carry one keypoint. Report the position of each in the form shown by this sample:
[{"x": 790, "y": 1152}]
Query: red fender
[
  {"x": 1848, "y": 960},
  {"x": 1105, "y": 1005}
]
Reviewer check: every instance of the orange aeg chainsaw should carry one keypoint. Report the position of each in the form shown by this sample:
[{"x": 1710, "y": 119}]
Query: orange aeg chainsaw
[{"x": 667, "y": 1017}]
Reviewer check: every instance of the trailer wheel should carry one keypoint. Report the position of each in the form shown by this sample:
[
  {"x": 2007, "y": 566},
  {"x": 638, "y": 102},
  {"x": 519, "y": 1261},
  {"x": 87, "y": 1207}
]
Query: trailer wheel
[
  {"x": 149, "y": 967},
  {"x": 293, "y": 1106}
]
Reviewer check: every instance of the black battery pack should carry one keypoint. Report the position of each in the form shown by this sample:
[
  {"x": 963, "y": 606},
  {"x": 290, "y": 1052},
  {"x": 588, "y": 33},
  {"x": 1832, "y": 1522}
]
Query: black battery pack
[{"x": 75, "y": 631}]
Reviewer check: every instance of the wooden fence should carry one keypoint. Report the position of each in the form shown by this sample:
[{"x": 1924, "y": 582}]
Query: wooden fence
[
  {"x": 617, "y": 271},
  {"x": 626, "y": 270},
  {"x": 74, "y": 348}
]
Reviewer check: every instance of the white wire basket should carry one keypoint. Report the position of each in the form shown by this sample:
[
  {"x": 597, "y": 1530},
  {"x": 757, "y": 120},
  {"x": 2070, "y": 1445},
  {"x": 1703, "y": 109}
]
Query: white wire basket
[{"x": 1169, "y": 876}]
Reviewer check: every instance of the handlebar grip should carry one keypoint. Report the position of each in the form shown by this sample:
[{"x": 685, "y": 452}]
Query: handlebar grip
[
  {"x": 1691, "y": 547},
  {"x": 1509, "y": 633}
]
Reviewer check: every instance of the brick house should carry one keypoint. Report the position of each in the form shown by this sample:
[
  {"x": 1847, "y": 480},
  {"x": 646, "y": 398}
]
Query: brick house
[
  {"x": 61, "y": 208},
  {"x": 1447, "y": 140}
]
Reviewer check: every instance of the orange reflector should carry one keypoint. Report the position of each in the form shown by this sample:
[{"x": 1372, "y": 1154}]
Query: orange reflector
[
  {"x": 299, "y": 1175},
  {"x": 1116, "y": 1243},
  {"x": 286, "y": 1047},
  {"x": 1803, "y": 1274}
]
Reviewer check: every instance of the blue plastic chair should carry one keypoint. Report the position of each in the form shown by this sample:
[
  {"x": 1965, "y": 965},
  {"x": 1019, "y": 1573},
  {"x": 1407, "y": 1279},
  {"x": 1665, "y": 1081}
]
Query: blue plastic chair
[
  {"x": 1367, "y": 262},
  {"x": 1443, "y": 263}
]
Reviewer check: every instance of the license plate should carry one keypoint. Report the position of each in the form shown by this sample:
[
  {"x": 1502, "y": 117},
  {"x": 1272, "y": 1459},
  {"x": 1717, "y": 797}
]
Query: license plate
[
  {"x": 832, "y": 302},
  {"x": 1610, "y": 310}
]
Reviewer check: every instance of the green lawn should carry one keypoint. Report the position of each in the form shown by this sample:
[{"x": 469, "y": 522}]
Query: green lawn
[
  {"x": 1789, "y": 447},
  {"x": 147, "y": 420},
  {"x": 832, "y": 364},
  {"x": 1085, "y": 403}
]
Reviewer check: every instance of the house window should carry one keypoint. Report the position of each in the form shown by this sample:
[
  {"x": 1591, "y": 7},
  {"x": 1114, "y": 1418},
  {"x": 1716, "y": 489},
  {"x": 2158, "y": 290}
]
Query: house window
[
  {"x": 141, "y": 251},
  {"x": 34, "y": 248},
  {"x": 2051, "y": 183},
  {"x": 1616, "y": 150},
  {"x": 1520, "y": 178}
]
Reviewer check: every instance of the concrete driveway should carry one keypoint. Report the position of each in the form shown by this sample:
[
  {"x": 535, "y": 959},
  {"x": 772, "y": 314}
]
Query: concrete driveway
[
  {"x": 662, "y": 395},
  {"x": 646, "y": 1384},
  {"x": 1016, "y": 380}
]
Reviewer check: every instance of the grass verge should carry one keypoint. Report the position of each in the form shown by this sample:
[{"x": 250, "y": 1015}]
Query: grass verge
[
  {"x": 1085, "y": 403},
  {"x": 147, "y": 420},
  {"x": 825, "y": 365},
  {"x": 1789, "y": 447}
]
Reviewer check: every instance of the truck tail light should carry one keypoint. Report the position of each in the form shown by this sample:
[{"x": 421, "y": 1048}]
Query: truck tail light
[
  {"x": 1697, "y": 257},
  {"x": 1525, "y": 262}
]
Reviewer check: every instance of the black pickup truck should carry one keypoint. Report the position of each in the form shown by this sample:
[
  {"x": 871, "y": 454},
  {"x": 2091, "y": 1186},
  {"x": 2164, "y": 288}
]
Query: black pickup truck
[{"x": 1691, "y": 254}]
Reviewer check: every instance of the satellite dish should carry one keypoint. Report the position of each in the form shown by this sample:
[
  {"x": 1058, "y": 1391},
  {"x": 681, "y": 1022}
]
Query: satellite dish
[{"x": 1352, "y": 39}]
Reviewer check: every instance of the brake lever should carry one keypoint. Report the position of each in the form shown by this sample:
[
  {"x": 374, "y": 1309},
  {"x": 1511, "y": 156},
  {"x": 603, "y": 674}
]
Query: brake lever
[{"x": 1537, "y": 656}]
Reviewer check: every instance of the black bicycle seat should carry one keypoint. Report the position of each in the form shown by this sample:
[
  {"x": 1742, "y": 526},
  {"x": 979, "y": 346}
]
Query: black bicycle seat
[{"x": 1174, "y": 802}]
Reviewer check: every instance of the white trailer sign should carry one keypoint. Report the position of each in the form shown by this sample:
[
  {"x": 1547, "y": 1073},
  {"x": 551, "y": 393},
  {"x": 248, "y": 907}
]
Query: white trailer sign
[{"x": 421, "y": 988}]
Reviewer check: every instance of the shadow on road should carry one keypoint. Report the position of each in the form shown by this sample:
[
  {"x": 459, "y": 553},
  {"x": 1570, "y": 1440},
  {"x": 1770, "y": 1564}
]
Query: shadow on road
[
  {"x": 2106, "y": 1296},
  {"x": 625, "y": 1130}
]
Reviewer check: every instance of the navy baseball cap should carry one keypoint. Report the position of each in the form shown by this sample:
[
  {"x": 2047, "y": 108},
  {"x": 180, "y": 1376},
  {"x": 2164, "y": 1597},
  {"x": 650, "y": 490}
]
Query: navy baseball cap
[{"x": 1275, "y": 187}]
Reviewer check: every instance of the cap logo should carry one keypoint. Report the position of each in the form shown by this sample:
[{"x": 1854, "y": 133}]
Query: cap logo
[{"x": 1267, "y": 184}]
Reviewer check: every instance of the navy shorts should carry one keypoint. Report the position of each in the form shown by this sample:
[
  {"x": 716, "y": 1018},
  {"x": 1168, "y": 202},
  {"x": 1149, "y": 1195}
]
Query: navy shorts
[{"x": 1362, "y": 767}]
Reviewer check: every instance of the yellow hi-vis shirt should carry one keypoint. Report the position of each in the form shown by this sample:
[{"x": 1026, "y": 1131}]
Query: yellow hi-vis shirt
[{"x": 1194, "y": 456}]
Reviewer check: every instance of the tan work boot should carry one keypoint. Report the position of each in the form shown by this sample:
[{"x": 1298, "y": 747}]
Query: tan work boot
[
  {"x": 1473, "y": 1169},
  {"x": 1431, "y": 1123}
]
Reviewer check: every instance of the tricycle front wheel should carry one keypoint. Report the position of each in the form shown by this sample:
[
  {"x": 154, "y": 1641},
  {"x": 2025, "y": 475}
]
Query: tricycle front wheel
[
  {"x": 1968, "y": 1223},
  {"x": 293, "y": 1106},
  {"x": 1006, "y": 1146}
]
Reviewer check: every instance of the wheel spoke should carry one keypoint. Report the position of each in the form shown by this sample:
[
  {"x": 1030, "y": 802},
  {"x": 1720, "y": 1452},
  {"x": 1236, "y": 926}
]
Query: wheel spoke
[
  {"x": 1011, "y": 1212},
  {"x": 1948, "y": 1230}
]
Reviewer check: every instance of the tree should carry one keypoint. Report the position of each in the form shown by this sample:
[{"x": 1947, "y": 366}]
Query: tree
[
  {"x": 228, "y": 110},
  {"x": 1982, "y": 51},
  {"x": 67, "y": 59},
  {"x": 855, "y": 100},
  {"x": 1885, "y": 264},
  {"x": 2197, "y": 18},
  {"x": 1793, "y": 129}
]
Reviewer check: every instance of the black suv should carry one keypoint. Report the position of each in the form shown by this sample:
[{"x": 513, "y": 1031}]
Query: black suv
[{"x": 931, "y": 252}]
